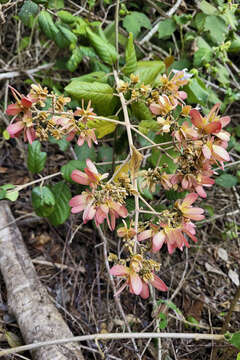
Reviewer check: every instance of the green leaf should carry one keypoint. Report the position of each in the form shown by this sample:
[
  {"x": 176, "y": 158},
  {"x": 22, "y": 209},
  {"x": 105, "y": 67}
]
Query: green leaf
[
  {"x": 6, "y": 134},
  {"x": 135, "y": 21},
  {"x": 3, "y": 193},
  {"x": 66, "y": 170},
  {"x": 10, "y": 195},
  {"x": 130, "y": 57},
  {"x": 24, "y": 42},
  {"x": 199, "y": 21},
  {"x": 98, "y": 76},
  {"x": 162, "y": 321},
  {"x": 235, "y": 44},
  {"x": 84, "y": 152},
  {"x": 88, "y": 51},
  {"x": 221, "y": 74},
  {"x": 164, "y": 160},
  {"x": 74, "y": 59},
  {"x": 197, "y": 92},
  {"x": 63, "y": 144},
  {"x": 233, "y": 339},
  {"x": 80, "y": 26},
  {"x": 43, "y": 201},
  {"x": 36, "y": 159},
  {"x": 105, "y": 154},
  {"x": 102, "y": 127},
  {"x": 28, "y": 11},
  {"x": 216, "y": 27},
  {"x": 64, "y": 37},
  {"x": 110, "y": 33},
  {"x": 149, "y": 70},
  {"x": 192, "y": 320},
  {"x": 238, "y": 356},
  {"x": 66, "y": 16},
  {"x": 148, "y": 125},
  {"x": 166, "y": 28},
  {"x": 175, "y": 195},
  {"x": 226, "y": 180},
  {"x": 104, "y": 49},
  {"x": 47, "y": 25},
  {"x": 207, "y": 8},
  {"x": 101, "y": 95},
  {"x": 230, "y": 18},
  {"x": 202, "y": 56},
  {"x": 55, "y": 4},
  {"x": 61, "y": 210},
  {"x": 141, "y": 111},
  {"x": 170, "y": 304}
]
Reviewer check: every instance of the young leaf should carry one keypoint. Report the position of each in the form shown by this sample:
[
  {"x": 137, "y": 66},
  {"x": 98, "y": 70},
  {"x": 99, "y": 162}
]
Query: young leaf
[
  {"x": 101, "y": 95},
  {"x": 10, "y": 195},
  {"x": 166, "y": 28},
  {"x": 47, "y": 25},
  {"x": 162, "y": 321},
  {"x": 74, "y": 59},
  {"x": 43, "y": 201},
  {"x": 61, "y": 210},
  {"x": 105, "y": 50},
  {"x": 67, "y": 34},
  {"x": 135, "y": 21},
  {"x": 28, "y": 11},
  {"x": 66, "y": 16},
  {"x": 233, "y": 339},
  {"x": 148, "y": 70},
  {"x": 130, "y": 57},
  {"x": 84, "y": 152},
  {"x": 36, "y": 159},
  {"x": 66, "y": 170}
]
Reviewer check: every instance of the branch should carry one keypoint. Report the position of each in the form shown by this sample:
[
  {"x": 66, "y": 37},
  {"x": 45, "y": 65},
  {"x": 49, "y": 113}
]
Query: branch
[
  {"x": 11, "y": 74},
  {"x": 155, "y": 27},
  {"x": 115, "y": 336}
]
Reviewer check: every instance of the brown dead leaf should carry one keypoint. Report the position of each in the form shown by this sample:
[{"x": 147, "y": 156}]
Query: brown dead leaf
[
  {"x": 193, "y": 307},
  {"x": 135, "y": 161}
]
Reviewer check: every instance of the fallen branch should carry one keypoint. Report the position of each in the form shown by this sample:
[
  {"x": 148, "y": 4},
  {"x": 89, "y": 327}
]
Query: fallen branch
[
  {"x": 28, "y": 300},
  {"x": 115, "y": 336}
]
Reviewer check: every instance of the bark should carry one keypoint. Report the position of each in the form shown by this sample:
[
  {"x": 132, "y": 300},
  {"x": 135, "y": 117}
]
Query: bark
[{"x": 28, "y": 300}]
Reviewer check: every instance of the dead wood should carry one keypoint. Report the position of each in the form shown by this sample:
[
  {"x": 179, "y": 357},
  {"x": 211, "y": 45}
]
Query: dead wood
[{"x": 28, "y": 300}]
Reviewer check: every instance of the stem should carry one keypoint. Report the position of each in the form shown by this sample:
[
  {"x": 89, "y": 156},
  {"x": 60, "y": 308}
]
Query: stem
[
  {"x": 21, "y": 187},
  {"x": 116, "y": 31},
  {"x": 130, "y": 144},
  {"x": 114, "y": 336}
]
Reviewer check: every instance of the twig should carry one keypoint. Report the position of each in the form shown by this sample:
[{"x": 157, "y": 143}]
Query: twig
[
  {"x": 21, "y": 187},
  {"x": 155, "y": 27},
  {"x": 11, "y": 74},
  {"x": 119, "y": 305},
  {"x": 114, "y": 336},
  {"x": 131, "y": 145}
]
